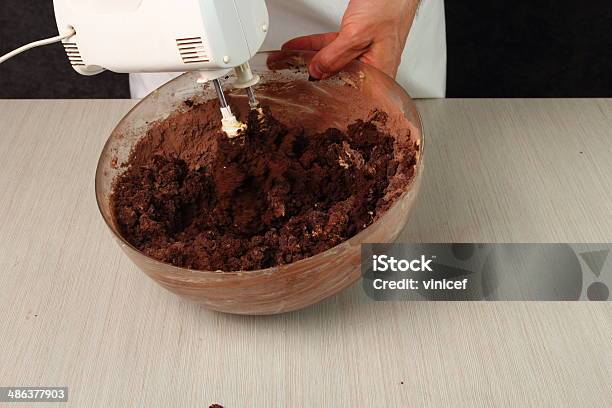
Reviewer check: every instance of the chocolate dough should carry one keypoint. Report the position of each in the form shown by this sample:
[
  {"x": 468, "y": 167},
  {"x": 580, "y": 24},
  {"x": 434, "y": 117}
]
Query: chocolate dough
[{"x": 194, "y": 198}]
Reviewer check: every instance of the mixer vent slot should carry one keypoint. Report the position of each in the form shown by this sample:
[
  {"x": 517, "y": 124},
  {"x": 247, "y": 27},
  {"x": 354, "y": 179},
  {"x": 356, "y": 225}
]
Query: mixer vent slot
[
  {"x": 192, "y": 50},
  {"x": 74, "y": 56}
]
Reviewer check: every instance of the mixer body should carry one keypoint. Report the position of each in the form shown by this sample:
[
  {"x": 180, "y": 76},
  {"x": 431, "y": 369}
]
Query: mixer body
[{"x": 130, "y": 36}]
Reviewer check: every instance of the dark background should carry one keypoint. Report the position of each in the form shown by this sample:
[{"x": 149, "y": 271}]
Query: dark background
[
  {"x": 529, "y": 48},
  {"x": 538, "y": 48}
]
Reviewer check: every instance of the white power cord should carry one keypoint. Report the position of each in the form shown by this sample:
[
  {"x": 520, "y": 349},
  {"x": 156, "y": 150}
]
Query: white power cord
[{"x": 39, "y": 43}]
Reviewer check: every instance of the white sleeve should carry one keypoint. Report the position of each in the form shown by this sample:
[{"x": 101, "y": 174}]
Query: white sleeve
[
  {"x": 423, "y": 69},
  {"x": 143, "y": 84}
]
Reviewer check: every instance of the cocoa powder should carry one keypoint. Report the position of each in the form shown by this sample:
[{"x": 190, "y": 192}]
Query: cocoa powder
[{"x": 194, "y": 198}]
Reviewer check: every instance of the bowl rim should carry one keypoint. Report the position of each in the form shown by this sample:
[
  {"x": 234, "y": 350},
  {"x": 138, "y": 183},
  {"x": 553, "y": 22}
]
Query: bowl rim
[{"x": 180, "y": 273}]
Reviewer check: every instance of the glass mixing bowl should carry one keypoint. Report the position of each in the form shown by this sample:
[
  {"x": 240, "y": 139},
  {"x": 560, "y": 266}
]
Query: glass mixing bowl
[{"x": 278, "y": 289}]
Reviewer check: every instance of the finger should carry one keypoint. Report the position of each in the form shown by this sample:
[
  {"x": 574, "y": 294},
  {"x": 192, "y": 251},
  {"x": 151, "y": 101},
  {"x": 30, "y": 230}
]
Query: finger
[
  {"x": 313, "y": 42},
  {"x": 336, "y": 56}
]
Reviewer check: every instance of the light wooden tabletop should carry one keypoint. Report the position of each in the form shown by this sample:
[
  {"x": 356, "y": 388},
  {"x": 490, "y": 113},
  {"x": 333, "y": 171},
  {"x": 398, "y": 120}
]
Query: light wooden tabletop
[{"x": 75, "y": 312}]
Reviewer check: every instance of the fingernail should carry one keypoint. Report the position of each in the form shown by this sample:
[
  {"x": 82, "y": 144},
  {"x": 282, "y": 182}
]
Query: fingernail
[{"x": 316, "y": 70}]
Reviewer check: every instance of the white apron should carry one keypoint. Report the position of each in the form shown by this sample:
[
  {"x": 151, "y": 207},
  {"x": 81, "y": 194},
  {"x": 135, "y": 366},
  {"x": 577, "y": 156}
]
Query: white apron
[{"x": 423, "y": 69}]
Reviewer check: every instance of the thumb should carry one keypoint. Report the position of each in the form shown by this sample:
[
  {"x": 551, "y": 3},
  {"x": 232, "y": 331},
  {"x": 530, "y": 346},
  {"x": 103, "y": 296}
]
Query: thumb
[{"x": 336, "y": 56}]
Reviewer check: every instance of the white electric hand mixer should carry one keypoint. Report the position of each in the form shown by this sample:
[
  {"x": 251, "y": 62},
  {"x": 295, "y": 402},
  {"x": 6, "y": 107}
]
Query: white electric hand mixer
[{"x": 132, "y": 36}]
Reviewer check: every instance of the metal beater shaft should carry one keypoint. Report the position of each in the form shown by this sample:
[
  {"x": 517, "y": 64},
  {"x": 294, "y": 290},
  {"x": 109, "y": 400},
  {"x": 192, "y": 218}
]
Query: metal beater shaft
[
  {"x": 253, "y": 102},
  {"x": 220, "y": 94}
]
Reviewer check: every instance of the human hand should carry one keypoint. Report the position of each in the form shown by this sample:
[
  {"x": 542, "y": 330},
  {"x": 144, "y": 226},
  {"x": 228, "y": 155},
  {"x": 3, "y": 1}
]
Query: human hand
[{"x": 372, "y": 31}]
